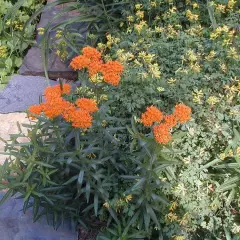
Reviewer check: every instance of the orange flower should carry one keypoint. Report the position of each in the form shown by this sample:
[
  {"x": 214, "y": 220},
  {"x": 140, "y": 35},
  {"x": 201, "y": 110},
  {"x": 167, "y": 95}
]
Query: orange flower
[
  {"x": 170, "y": 120},
  {"x": 182, "y": 113},
  {"x": 86, "y": 104},
  {"x": 94, "y": 67},
  {"x": 111, "y": 72},
  {"x": 68, "y": 111},
  {"x": 91, "y": 53},
  {"x": 79, "y": 62},
  {"x": 112, "y": 79},
  {"x": 66, "y": 88},
  {"x": 113, "y": 67},
  {"x": 152, "y": 115},
  {"x": 162, "y": 134},
  {"x": 36, "y": 110},
  {"x": 81, "y": 119}
]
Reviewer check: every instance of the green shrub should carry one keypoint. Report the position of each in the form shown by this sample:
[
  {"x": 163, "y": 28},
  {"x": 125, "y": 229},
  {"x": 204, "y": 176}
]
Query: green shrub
[{"x": 13, "y": 40}]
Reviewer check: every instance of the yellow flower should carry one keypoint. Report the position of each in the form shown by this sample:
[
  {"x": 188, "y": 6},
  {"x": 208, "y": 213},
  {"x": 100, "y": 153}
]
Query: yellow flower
[
  {"x": 153, "y": 3},
  {"x": 128, "y": 198},
  {"x": 191, "y": 16},
  {"x": 40, "y": 31},
  {"x": 106, "y": 205},
  {"x": 221, "y": 8},
  {"x": 138, "y": 6},
  {"x": 211, "y": 55},
  {"x": 238, "y": 151},
  {"x": 91, "y": 155},
  {"x": 185, "y": 219},
  {"x": 159, "y": 29},
  {"x": 96, "y": 78},
  {"x": 172, "y": 80},
  {"x": 154, "y": 70},
  {"x": 192, "y": 57},
  {"x": 3, "y": 51},
  {"x": 212, "y": 100},
  {"x": 139, "y": 27},
  {"x": 161, "y": 89},
  {"x": 178, "y": 238},
  {"x": 195, "y": 5},
  {"x": 58, "y": 34},
  {"x": 146, "y": 57},
  {"x": 130, "y": 18},
  {"x": 173, "y": 9},
  {"x": 172, "y": 217},
  {"x": 232, "y": 53},
  {"x": 222, "y": 156},
  {"x": 231, "y": 4},
  {"x": 101, "y": 46},
  {"x": 173, "y": 206},
  {"x": 227, "y": 42},
  {"x": 197, "y": 96},
  {"x": 223, "y": 67},
  {"x": 140, "y": 14},
  {"x": 195, "y": 31},
  {"x": 195, "y": 67}
]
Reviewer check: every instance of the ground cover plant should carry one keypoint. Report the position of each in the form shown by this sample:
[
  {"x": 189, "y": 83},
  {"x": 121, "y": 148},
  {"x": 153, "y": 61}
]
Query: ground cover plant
[
  {"x": 14, "y": 42},
  {"x": 147, "y": 147}
]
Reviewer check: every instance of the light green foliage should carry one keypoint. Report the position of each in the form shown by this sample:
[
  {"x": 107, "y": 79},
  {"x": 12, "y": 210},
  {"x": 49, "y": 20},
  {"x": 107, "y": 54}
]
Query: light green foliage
[{"x": 13, "y": 40}]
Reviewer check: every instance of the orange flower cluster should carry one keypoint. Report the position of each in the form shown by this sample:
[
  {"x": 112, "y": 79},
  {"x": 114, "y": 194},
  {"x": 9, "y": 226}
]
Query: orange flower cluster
[
  {"x": 79, "y": 114},
  {"x": 161, "y": 131},
  {"x": 91, "y": 59},
  {"x": 151, "y": 115}
]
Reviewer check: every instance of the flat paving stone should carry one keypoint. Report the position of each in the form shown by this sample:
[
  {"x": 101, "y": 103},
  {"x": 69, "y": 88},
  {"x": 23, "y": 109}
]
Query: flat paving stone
[
  {"x": 33, "y": 62},
  {"x": 9, "y": 126},
  {"x": 15, "y": 225},
  {"x": 22, "y": 92}
]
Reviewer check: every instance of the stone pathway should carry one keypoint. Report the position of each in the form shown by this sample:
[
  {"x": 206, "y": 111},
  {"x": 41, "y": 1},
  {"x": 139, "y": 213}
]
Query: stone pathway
[
  {"x": 14, "y": 225},
  {"x": 32, "y": 64},
  {"x": 21, "y": 93},
  {"x": 8, "y": 125}
]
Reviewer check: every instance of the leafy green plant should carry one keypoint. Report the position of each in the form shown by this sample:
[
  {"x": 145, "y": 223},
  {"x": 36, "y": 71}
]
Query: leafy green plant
[{"x": 13, "y": 40}]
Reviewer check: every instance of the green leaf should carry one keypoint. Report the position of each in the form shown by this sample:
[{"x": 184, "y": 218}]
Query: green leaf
[{"x": 6, "y": 196}]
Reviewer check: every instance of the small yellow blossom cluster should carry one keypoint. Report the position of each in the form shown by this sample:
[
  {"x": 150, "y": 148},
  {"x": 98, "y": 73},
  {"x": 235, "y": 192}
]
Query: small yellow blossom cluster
[
  {"x": 224, "y": 155},
  {"x": 232, "y": 90},
  {"x": 225, "y": 33},
  {"x": 110, "y": 42},
  {"x": 220, "y": 8},
  {"x": 178, "y": 238},
  {"x": 139, "y": 27},
  {"x": 191, "y": 16},
  {"x": 173, "y": 217},
  {"x": 192, "y": 58},
  {"x": 213, "y": 100},
  {"x": 118, "y": 204},
  {"x": 59, "y": 34},
  {"x": 3, "y": 51},
  {"x": 124, "y": 57},
  {"x": 41, "y": 31},
  {"x": 197, "y": 96},
  {"x": 195, "y": 30},
  {"x": 210, "y": 56},
  {"x": 62, "y": 50},
  {"x": 232, "y": 53},
  {"x": 16, "y": 25}
]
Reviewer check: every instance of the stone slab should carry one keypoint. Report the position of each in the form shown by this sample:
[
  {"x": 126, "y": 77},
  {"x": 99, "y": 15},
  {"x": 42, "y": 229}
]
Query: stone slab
[
  {"x": 9, "y": 126},
  {"x": 33, "y": 65},
  {"x": 22, "y": 92},
  {"x": 14, "y": 225}
]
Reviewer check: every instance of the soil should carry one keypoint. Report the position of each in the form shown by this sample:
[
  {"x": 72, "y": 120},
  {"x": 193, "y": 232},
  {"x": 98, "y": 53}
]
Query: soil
[{"x": 84, "y": 234}]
